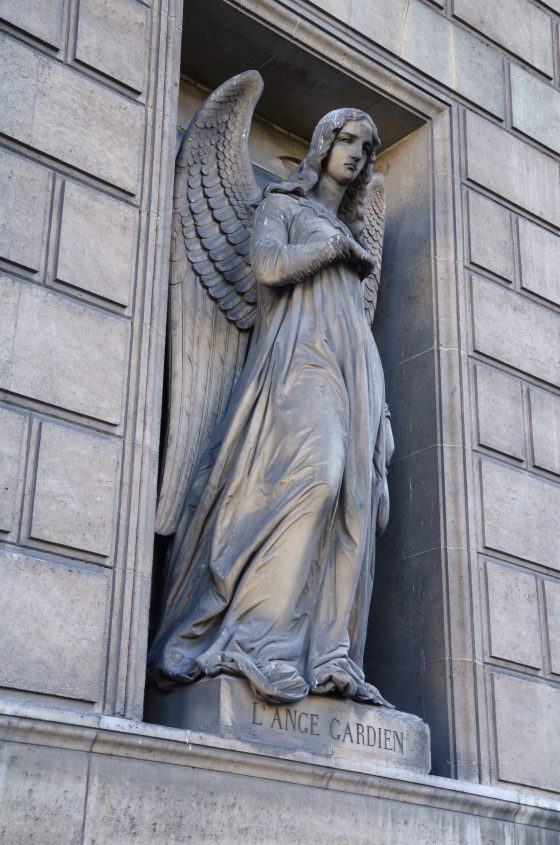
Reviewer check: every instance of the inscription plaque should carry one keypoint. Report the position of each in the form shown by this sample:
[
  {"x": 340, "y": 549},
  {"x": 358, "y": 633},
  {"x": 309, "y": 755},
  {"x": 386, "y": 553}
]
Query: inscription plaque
[{"x": 328, "y": 726}]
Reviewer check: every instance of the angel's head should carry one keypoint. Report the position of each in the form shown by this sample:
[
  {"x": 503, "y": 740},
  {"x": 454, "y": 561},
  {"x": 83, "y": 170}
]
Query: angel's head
[{"x": 326, "y": 152}]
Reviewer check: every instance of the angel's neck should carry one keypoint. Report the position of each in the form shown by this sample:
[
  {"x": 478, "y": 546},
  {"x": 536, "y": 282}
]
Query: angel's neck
[{"x": 328, "y": 193}]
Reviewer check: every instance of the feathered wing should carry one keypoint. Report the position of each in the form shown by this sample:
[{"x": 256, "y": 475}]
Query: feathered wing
[
  {"x": 212, "y": 289},
  {"x": 374, "y": 212}
]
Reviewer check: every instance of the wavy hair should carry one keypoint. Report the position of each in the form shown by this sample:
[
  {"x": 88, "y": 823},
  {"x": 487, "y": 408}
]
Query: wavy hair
[{"x": 307, "y": 173}]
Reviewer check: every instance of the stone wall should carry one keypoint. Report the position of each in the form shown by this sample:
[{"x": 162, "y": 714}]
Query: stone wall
[
  {"x": 86, "y": 161},
  {"x": 86, "y": 146}
]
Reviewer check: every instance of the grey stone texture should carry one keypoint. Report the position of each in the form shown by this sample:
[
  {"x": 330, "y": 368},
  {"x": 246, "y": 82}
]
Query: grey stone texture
[
  {"x": 500, "y": 412},
  {"x": 545, "y": 430},
  {"x": 491, "y": 244},
  {"x": 516, "y": 25},
  {"x": 512, "y": 595},
  {"x": 112, "y": 38},
  {"x": 24, "y": 189},
  {"x": 542, "y": 124},
  {"x": 512, "y": 169},
  {"x": 35, "y": 90},
  {"x": 41, "y": 20},
  {"x": 61, "y": 352},
  {"x": 60, "y": 614},
  {"x": 104, "y": 780},
  {"x": 75, "y": 489},
  {"x": 324, "y": 725},
  {"x": 520, "y": 514},
  {"x": 552, "y": 601},
  {"x": 525, "y": 336},
  {"x": 97, "y": 243},
  {"x": 540, "y": 258},
  {"x": 529, "y": 710},
  {"x": 13, "y": 426}
]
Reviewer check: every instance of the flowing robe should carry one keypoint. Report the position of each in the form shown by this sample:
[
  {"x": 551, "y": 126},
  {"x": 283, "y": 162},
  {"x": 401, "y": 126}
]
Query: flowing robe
[{"x": 271, "y": 577}]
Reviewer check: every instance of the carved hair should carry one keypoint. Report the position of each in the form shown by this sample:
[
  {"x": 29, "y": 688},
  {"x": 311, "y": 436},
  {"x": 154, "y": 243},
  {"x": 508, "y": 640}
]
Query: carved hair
[{"x": 307, "y": 174}]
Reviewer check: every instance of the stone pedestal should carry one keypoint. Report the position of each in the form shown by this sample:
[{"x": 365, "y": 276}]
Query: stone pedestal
[{"x": 324, "y": 725}]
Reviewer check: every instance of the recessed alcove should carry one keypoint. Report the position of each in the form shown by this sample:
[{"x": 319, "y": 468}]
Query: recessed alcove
[{"x": 404, "y": 655}]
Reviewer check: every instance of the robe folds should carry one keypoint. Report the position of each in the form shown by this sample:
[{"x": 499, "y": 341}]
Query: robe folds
[{"x": 271, "y": 575}]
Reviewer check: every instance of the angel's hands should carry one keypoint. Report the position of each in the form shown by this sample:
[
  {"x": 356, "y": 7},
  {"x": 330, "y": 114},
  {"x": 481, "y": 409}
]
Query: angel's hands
[{"x": 347, "y": 249}]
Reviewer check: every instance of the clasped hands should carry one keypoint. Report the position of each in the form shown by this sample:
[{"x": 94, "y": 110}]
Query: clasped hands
[{"x": 345, "y": 248}]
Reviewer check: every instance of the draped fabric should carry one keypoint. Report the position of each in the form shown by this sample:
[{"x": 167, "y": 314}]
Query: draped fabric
[{"x": 271, "y": 576}]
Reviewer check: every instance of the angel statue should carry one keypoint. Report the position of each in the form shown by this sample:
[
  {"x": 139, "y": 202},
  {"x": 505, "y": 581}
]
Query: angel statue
[{"x": 274, "y": 480}]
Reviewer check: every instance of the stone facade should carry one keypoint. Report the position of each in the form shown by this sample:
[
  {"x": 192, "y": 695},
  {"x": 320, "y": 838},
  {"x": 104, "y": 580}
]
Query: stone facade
[{"x": 466, "y": 624}]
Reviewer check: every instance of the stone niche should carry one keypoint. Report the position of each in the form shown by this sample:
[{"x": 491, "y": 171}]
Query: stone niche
[{"x": 404, "y": 655}]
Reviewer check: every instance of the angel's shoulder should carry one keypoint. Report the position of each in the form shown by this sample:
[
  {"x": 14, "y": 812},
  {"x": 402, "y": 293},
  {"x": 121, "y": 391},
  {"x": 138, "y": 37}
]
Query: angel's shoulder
[{"x": 278, "y": 203}]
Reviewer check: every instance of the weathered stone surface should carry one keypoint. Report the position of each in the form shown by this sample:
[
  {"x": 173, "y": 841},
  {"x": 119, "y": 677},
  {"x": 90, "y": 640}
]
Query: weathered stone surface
[
  {"x": 97, "y": 243},
  {"x": 535, "y": 108},
  {"x": 430, "y": 42},
  {"x": 37, "y": 91},
  {"x": 23, "y": 188},
  {"x": 12, "y": 429},
  {"x": 520, "y": 514},
  {"x": 552, "y": 598},
  {"x": 59, "y": 614},
  {"x": 500, "y": 412},
  {"x": 61, "y": 352},
  {"x": 510, "y": 328},
  {"x": 324, "y": 725},
  {"x": 528, "y": 741},
  {"x": 545, "y": 430},
  {"x": 517, "y": 25},
  {"x": 490, "y": 236},
  {"x": 112, "y": 38},
  {"x": 43, "y": 20},
  {"x": 540, "y": 258},
  {"x": 513, "y": 611},
  {"x": 77, "y": 481},
  {"x": 42, "y": 794},
  {"x": 511, "y": 168}
]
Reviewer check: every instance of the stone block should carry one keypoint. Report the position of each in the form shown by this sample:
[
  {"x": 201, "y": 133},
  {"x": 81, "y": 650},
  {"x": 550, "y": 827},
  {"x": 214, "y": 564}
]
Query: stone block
[
  {"x": 97, "y": 243},
  {"x": 512, "y": 169},
  {"x": 545, "y": 430},
  {"x": 490, "y": 236},
  {"x": 516, "y": 25},
  {"x": 13, "y": 427},
  {"x": 40, "y": 19},
  {"x": 323, "y": 725},
  {"x": 436, "y": 47},
  {"x": 527, "y": 736},
  {"x": 53, "y": 627},
  {"x": 42, "y": 794},
  {"x": 540, "y": 259},
  {"x": 512, "y": 329},
  {"x": 23, "y": 188},
  {"x": 513, "y": 616},
  {"x": 112, "y": 38},
  {"x": 552, "y": 599},
  {"x": 500, "y": 412},
  {"x": 337, "y": 8},
  {"x": 44, "y": 108},
  {"x": 535, "y": 108},
  {"x": 520, "y": 514},
  {"x": 66, "y": 354},
  {"x": 75, "y": 490}
]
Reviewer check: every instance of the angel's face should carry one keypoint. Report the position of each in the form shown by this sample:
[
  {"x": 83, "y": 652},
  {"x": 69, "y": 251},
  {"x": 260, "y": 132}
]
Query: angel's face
[{"x": 349, "y": 152}]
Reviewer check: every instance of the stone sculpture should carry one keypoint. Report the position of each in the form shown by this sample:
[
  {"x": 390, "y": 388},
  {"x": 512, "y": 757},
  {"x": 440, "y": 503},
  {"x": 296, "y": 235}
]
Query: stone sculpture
[{"x": 274, "y": 479}]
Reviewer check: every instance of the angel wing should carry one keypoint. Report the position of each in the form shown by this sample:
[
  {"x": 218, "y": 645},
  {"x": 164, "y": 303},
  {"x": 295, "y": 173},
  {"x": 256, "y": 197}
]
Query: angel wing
[
  {"x": 372, "y": 235},
  {"x": 212, "y": 289}
]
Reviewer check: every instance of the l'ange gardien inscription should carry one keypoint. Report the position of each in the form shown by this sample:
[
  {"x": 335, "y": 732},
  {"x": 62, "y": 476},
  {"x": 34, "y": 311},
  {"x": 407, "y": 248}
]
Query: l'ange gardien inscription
[{"x": 294, "y": 721}]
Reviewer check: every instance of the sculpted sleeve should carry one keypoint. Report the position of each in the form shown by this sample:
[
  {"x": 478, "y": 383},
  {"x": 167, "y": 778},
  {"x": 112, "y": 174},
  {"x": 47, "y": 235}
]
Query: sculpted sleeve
[{"x": 274, "y": 260}]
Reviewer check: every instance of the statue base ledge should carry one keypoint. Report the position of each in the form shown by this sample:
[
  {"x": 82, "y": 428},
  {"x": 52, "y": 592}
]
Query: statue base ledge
[{"x": 325, "y": 725}]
